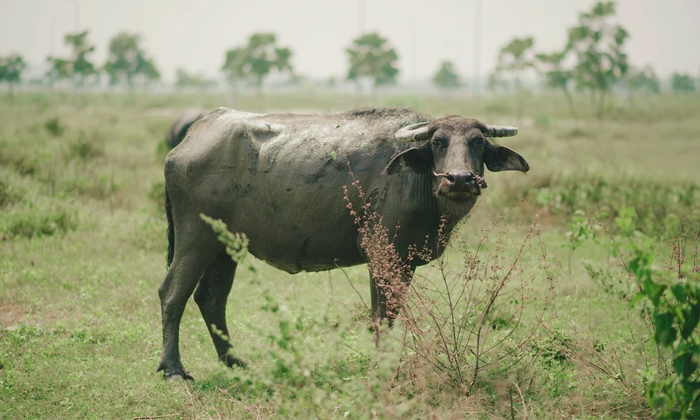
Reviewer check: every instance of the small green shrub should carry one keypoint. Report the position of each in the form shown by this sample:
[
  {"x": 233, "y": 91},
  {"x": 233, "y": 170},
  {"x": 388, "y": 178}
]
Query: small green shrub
[
  {"x": 497, "y": 107},
  {"x": 609, "y": 282},
  {"x": 542, "y": 121},
  {"x": 26, "y": 212},
  {"x": 553, "y": 349},
  {"x": 86, "y": 147},
  {"x": 576, "y": 133},
  {"x": 162, "y": 150},
  {"x": 26, "y": 165},
  {"x": 157, "y": 194},
  {"x": 53, "y": 126},
  {"x": 8, "y": 194},
  {"x": 31, "y": 222},
  {"x": 90, "y": 185}
]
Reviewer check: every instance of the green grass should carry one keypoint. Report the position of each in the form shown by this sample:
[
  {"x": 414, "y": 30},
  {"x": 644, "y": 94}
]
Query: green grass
[{"x": 82, "y": 253}]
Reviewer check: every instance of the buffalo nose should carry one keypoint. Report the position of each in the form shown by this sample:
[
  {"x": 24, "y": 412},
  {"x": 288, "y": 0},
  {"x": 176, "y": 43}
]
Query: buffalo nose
[{"x": 460, "y": 180}]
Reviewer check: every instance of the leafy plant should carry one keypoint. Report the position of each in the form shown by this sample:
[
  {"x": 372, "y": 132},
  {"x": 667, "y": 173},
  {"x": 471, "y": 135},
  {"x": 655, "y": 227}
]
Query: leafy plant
[
  {"x": 580, "y": 230},
  {"x": 675, "y": 316},
  {"x": 236, "y": 243}
]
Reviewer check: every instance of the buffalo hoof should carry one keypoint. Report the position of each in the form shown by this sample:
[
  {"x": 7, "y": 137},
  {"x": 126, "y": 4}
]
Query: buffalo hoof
[
  {"x": 235, "y": 361},
  {"x": 178, "y": 378},
  {"x": 175, "y": 373}
]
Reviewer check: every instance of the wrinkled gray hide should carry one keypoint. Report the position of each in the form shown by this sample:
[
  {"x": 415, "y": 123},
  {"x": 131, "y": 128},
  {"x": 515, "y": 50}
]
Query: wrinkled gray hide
[
  {"x": 279, "y": 179},
  {"x": 178, "y": 129}
]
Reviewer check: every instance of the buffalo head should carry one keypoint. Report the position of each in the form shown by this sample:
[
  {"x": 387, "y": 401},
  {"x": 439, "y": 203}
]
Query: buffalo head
[{"x": 455, "y": 150}]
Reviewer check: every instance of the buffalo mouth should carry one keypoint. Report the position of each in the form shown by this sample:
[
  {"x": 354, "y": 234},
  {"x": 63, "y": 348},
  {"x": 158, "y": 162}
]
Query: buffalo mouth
[{"x": 460, "y": 196}]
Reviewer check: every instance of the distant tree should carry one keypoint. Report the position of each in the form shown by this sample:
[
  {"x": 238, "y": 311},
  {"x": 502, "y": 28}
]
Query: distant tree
[
  {"x": 682, "y": 83},
  {"x": 371, "y": 56},
  {"x": 185, "y": 80},
  {"x": 127, "y": 61},
  {"x": 234, "y": 64},
  {"x": 446, "y": 77},
  {"x": 254, "y": 61},
  {"x": 82, "y": 67},
  {"x": 598, "y": 46},
  {"x": 11, "y": 68},
  {"x": 641, "y": 80},
  {"x": 514, "y": 60},
  {"x": 496, "y": 83},
  {"x": 556, "y": 76},
  {"x": 60, "y": 69},
  {"x": 332, "y": 82},
  {"x": 78, "y": 67}
]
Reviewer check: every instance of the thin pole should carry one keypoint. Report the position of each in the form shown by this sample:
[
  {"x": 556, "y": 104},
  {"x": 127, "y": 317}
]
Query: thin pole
[
  {"x": 52, "y": 44},
  {"x": 477, "y": 47},
  {"x": 76, "y": 18},
  {"x": 361, "y": 29},
  {"x": 413, "y": 47},
  {"x": 76, "y": 13},
  {"x": 361, "y": 16}
]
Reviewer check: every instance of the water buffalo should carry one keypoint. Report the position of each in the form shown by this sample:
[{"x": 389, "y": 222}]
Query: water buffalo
[
  {"x": 279, "y": 179},
  {"x": 178, "y": 129}
]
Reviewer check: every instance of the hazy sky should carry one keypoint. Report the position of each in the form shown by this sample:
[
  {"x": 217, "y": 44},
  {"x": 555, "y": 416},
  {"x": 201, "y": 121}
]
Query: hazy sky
[{"x": 195, "y": 34}]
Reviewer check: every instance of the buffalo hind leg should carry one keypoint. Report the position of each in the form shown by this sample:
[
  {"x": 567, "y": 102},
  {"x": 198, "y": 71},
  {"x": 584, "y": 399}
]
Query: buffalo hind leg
[
  {"x": 211, "y": 296},
  {"x": 188, "y": 265}
]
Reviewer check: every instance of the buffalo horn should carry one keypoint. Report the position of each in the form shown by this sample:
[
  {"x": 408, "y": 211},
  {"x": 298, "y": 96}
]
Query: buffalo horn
[
  {"x": 414, "y": 132},
  {"x": 500, "y": 131}
]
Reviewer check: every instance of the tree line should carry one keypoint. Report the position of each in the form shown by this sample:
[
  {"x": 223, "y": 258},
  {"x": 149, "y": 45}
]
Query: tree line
[{"x": 592, "y": 60}]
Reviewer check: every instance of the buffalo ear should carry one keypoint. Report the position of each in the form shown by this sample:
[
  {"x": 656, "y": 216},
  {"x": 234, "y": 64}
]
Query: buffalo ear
[
  {"x": 501, "y": 158},
  {"x": 416, "y": 159}
]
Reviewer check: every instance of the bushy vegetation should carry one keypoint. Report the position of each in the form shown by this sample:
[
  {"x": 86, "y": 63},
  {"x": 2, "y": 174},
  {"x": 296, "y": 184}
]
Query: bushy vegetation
[
  {"x": 659, "y": 205},
  {"x": 527, "y": 315}
]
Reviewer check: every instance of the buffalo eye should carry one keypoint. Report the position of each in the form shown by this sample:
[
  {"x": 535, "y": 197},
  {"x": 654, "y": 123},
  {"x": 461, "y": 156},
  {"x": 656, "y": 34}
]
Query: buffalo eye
[
  {"x": 478, "y": 141},
  {"x": 438, "y": 142}
]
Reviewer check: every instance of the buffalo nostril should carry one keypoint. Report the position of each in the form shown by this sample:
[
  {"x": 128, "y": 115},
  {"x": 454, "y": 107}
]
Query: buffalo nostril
[{"x": 461, "y": 178}]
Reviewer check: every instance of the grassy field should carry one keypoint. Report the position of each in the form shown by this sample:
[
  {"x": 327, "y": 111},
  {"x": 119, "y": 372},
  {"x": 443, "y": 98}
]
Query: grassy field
[{"x": 82, "y": 252}]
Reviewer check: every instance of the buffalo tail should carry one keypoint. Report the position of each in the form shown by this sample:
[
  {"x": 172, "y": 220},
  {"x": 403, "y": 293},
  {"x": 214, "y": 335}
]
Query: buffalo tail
[{"x": 171, "y": 230}]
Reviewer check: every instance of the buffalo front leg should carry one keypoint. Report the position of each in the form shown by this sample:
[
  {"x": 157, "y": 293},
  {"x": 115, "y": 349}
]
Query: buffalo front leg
[
  {"x": 211, "y": 296},
  {"x": 179, "y": 283},
  {"x": 387, "y": 295}
]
